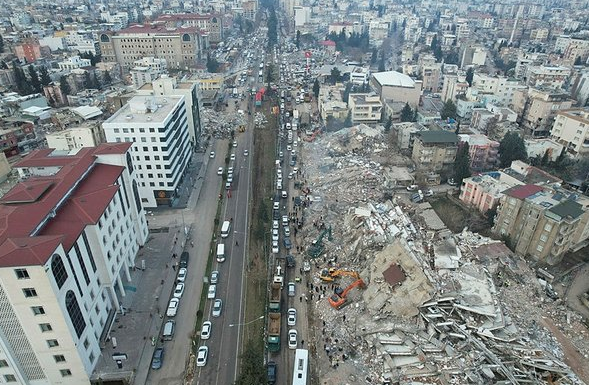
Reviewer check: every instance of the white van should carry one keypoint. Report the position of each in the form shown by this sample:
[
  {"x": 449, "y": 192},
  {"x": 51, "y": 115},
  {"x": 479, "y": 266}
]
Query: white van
[
  {"x": 169, "y": 328},
  {"x": 225, "y": 229},
  {"x": 220, "y": 252}
]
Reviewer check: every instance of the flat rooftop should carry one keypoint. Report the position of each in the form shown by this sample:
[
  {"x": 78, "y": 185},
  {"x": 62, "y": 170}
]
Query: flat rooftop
[{"x": 145, "y": 109}]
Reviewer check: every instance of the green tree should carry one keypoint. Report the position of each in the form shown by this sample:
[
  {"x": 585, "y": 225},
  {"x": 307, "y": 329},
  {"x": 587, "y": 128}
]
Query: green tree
[
  {"x": 1, "y": 44},
  {"x": 64, "y": 86},
  {"x": 437, "y": 49},
  {"x": 388, "y": 124},
  {"x": 578, "y": 61},
  {"x": 347, "y": 91},
  {"x": 252, "y": 370},
  {"x": 511, "y": 148},
  {"x": 87, "y": 80},
  {"x": 381, "y": 67},
  {"x": 298, "y": 39},
  {"x": 316, "y": 88},
  {"x": 462, "y": 163},
  {"x": 269, "y": 75},
  {"x": 35, "y": 82},
  {"x": 407, "y": 113},
  {"x": 335, "y": 75},
  {"x": 469, "y": 76},
  {"x": 212, "y": 64},
  {"x": 22, "y": 84},
  {"x": 374, "y": 56},
  {"x": 452, "y": 58},
  {"x": 107, "y": 78},
  {"x": 348, "y": 122},
  {"x": 45, "y": 78},
  {"x": 448, "y": 110},
  {"x": 96, "y": 82}
]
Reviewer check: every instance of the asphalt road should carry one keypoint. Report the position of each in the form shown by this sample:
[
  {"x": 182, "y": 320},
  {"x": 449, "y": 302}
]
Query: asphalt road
[{"x": 224, "y": 344}]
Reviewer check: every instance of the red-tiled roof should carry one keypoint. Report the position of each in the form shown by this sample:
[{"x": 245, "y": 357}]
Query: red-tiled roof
[
  {"x": 113, "y": 148},
  {"x": 522, "y": 191},
  {"x": 84, "y": 206},
  {"x": 187, "y": 16},
  {"x": 159, "y": 29},
  {"x": 328, "y": 43}
]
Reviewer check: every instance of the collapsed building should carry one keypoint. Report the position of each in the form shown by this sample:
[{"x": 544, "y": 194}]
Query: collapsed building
[{"x": 436, "y": 307}]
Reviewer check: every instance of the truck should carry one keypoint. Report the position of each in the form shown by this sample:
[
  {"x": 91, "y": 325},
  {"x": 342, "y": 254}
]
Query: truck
[
  {"x": 275, "y": 293},
  {"x": 274, "y": 332}
]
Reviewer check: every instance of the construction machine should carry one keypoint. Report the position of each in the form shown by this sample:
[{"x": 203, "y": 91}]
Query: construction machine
[
  {"x": 316, "y": 248},
  {"x": 329, "y": 275},
  {"x": 338, "y": 299}
]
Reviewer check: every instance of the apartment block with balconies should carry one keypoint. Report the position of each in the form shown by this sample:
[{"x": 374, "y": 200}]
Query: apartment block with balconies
[
  {"x": 435, "y": 151},
  {"x": 571, "y": 129},
  {"x": 365, "y": 108},
  {"x": 483, "y": 152}
]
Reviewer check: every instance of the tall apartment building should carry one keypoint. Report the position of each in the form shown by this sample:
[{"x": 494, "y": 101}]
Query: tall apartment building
[
  {"x": 542, "y": 223},
  {"x": 537, "y": 108},
  {"x": 209, "y": 23},
  {"x": 165, "y": 86},
  {"x": 483, "y": 192},
  {"x": 435, "y": 151},
  {"x": 69, "y": 236},
  {"x": 483, "y": 152},
  {"x": 158, "y": 128},
  {"x": 180, "y": 47},
  {"x": 365, "y": 108},
  {"x": 547, "y": 76},
  {"x": 453, "y": 86},
  {"x": 147, "y": 70},
  {"x": 501, "y": 87},
  {"x": 571, "y": 129}
]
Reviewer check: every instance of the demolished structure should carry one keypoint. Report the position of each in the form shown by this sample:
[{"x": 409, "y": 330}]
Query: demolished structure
[{"x": 438, "y": 307}]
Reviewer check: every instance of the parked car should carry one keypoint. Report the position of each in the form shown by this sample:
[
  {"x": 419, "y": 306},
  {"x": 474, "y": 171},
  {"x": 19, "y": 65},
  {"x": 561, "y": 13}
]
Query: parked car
[
  {"x": 275, "y": 247},
  {"x": 205, "y": 332},
  {"x": 290, "y": 261},
  {"x": 158, "y": 358},
  {"x": 179, "y": 290},
  {"x": 212, "y": 291},
  {"x": 182, "y": 274},
  {"x": 287, "y": 243},
  {"x": 220, "y": 171},
  {"x": 232, "y": 157},
  {"x": 215, "y": 277},
  {"x": 271, "y": 372},
  {"x": 286, "y": 230},
  {"x": 274, "y": 224},
  {"x": 202, "y": 355},
  {"x": 275, "y": 235},
  {"x": 452, "y": 182},
  {"x": 246, "y": 152},
  {"x": 173, "y": 307},
  {"x": 292, "y": 317},
  {"x": 412, "y": 187},
  {"x": 276, "y": 206},
  {"x": 212, "y": 154},
  {"x": 291, "y": 289},
  {"x": 284, "y": 220},
  {"x": 292, "y": 339},
  {"x": 429, "y": 193},
  {"x": 217, "y": 307}
]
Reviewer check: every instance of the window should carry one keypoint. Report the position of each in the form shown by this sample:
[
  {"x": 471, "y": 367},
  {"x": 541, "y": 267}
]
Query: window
[
  {"x": 9, "y": 378},
  {"x": 59, "y": 358},
  {"x": 548, "y": 227},
  {"x": 540, "y": 248},
  {"x": 73, "y": 309},
  {"x": 58, "y": 269},
  {"x": 21, "y": 273},
  {"x": 52, "y": 343},
  {"x": 29, "y": 292},
  {"x": 543, "y": 237},
  {"x": 86, "y": 343},
  {"x": 65, "y": 372},
  {"x": 3, "y": 364},
  {"x": 91, "y": 358},
  {"x": 45, "y": 327},
  {"x": 38, "y": 310}
]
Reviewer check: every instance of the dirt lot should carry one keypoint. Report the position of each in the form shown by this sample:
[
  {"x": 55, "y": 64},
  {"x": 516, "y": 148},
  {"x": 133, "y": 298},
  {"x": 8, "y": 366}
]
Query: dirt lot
[{"x": 456, "y": 217}]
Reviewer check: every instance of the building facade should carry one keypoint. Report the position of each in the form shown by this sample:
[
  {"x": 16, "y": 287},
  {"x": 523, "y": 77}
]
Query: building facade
[
  {"x": 483, "y": 152},
  {"x": 210, "y": 24},
  {"x": 483, "y": 192},
  {"x": 180, "y": 47},
  {"x": 158, "y": 129},
  {"x": 537, "y": 108},
  {"x": 365, "y": 108},
  {"x": 90, "y": 135},
  {"x": 435, "y": 151},
  {"x": 571, "y": 129},
  {"x": 76, "y": 225},
  {"x": 397, "y": 86},
  {"x": 147, "y": 70}
]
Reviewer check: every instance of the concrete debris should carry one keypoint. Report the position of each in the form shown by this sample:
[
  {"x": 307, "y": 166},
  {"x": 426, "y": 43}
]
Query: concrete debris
[{"x": 438, "y": 307}]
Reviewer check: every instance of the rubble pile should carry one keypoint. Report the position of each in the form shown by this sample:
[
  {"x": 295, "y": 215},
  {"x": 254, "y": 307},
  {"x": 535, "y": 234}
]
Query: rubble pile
[
  {"x": 437, "y": 307},
  {"x": 220, "y": 125}
]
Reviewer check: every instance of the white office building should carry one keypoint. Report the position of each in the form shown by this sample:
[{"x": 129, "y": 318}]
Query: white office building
[
  {"x": 158, "y": 128},
  {"x": 69, "y": 236}
]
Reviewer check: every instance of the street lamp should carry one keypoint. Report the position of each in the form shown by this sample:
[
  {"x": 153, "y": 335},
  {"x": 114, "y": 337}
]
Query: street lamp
[{"x": 247, "y": 323}]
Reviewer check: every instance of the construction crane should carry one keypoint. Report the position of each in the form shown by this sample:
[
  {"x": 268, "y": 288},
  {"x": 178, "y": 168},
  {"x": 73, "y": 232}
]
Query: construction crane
[
  {"x": 333, "y": 273},
  {"x": 316, "y": 248},
  {"x": 338, "y": 299}
]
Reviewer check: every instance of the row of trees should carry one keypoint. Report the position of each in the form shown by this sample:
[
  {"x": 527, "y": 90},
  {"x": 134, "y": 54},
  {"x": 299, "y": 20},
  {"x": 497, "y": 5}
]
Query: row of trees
[{"x": 353, "y": 40}]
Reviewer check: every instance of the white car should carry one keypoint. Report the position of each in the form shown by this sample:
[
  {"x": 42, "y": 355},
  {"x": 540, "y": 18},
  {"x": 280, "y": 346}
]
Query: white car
[
  {"x": 276, "y": 206},
  {"x": 182, "y": 274},
  {"x": 284, "y": 194},
  {"x": 292, "y": 317},
  {"x": 232, "y": 157},
  {"x": 220, "y": 171},
  {"x": 292, "y": 339},
  {"x": 215, "y": 277},
  {"x": 230, "y": 170},
  {"x": 288, "y": 148},
  {"x": 202, "y": 355},
  {"x": 275, "y": 235},
  {"x": 295, "y": 170},
  {"x": 275, "y": 247},
  {"x": 179, "y": 290},
  {"x": 212, "y": 154},
  {"x": 235, "y": 143},
  {"x": 212, "y": 291},
  {"x": 173, "y": 307},
  {"x": 286, "y": 230},
  {"x": 246, "y": 152},
  {"x": 290, "y": 175},
  {"x": 217, "y": 307},
  {"x": 284, "y": 220},
  {"x": 274, "y": 224},
  {"x": 205, "y": 332},
  {"x": 229, "y": 178}
]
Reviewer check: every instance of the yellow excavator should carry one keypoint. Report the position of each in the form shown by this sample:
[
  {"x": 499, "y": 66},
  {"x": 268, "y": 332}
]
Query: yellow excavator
[{"x": 329, "y": 275}]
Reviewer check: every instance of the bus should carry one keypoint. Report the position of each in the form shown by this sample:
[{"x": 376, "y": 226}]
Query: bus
[{"x": 301, "y": 363}]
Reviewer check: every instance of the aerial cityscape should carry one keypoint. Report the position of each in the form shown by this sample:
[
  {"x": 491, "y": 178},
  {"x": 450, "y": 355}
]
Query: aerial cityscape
[{"x": 246, "y": 192}]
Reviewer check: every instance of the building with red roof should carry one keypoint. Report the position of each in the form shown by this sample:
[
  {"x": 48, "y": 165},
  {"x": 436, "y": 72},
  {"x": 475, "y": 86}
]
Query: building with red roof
[
  {"x": 210, "y": 23},
  {"x": 69, "y": 235}
]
